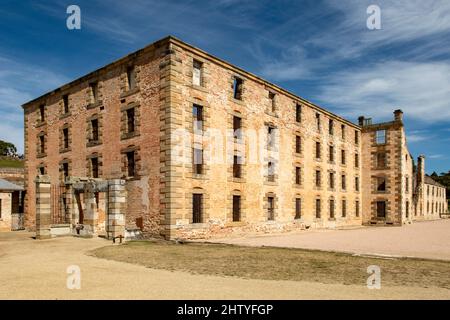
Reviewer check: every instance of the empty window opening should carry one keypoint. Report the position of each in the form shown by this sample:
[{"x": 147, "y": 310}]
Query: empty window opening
[
  {"x": 298, "y": 144},
  {"x": 317, "y": 150},
  {"x": 344, "y": 208},
  {"x": 381, "y": 136},
  {"x": 298, "y": 208},
  {"x": 381, "y": 184},
  {"x": 318, "y": 182},
  {"x": 331, "y": 180},
  {"x": 298, "y": 177},
  {"x": 357, "y": 208},
  {"x": 95, "y": 135},
  {"x": 331, "y": 208},
  {"x": 94, "y": 91},
  {"x": 237, "y": 88},
  {"x": 271, "y": 171},
  {"x": 131, "y": 77},
  {"x": 318, "y": 121},
  {"x": 65, "y": 168},
  {"x": 94, "y": 165},
  {"x": 381, "y": 209},
  {"x": 271, "y": 208},
  {"x": 237, "y": 127},
  {"x": 198, "y": 161},
  {"x": 407, "y": 209},
  {"x": 270, "y": 136},
  {"x": 66, "y": 104},
  {"x": 331, "y": 153},
  {"x": 381, "y": 160},
  {"x": 298, "y": 113},
  {"x": 318, "y": 209},
  {"x": 197, "y": 73},
  {"x": 237, "y": 170},
  {"x": 236, "y": 208},
  {"x": 197, "y": 208},
  {"x": 65, "y": 138},
  {"x": 42, "y": 113},
  {"x": 272, "y": 101},
  {"x": 42, "y": 144},
  {"x": 130, "y": 120},
  {"x": 131, "y": 165},
  {"x": 197, "y": 116}
]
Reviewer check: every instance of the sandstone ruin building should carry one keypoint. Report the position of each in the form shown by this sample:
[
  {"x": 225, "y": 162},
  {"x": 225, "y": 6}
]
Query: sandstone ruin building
[{"x": 206, "y": 148}]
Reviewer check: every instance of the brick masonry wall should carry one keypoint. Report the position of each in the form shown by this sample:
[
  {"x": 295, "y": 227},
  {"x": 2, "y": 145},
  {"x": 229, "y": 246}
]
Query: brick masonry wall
[
  {"x": 143, "y": 190},
  {"x": 217, "y": 184}
]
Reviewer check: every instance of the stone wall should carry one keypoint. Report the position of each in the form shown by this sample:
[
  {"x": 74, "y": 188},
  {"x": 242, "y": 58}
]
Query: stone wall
[
  {"x": 217, "y": 184},
  {"x": 5, "y": 217},
  {"x": 13, "y": 175},
  {"x": 396, "y": 169},
  {"x": 435, "y": 202},
  {"x": 114, "y": 98}
]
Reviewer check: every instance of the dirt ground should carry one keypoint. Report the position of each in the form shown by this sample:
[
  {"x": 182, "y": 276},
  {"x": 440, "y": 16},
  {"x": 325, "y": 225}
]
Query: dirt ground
[
  {"x": 31, "y": 269},
  {"x": 291, "y": 263},
  {"x": 428, "y": 239}
]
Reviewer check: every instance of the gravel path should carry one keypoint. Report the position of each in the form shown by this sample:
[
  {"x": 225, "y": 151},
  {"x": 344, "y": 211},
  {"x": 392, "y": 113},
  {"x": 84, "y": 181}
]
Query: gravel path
[
  {"x": 429, "y": 239},
  {"x": 31, "y": 269}
]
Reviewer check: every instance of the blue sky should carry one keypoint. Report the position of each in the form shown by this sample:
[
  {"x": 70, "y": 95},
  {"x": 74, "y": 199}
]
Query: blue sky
[{"x": 320, "y": 50}]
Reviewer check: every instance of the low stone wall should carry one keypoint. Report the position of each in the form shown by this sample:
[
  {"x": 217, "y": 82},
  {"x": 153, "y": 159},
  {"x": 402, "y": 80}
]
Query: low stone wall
[
  {"x": 217, "y": 230},
  {"x": 58, "y": 230},
  {"x": 220, "y": 229},
  {"x": 14, "y": 175}
]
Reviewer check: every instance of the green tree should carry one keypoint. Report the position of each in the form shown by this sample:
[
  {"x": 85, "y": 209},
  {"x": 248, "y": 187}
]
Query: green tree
[
  {"x": 7, "y": 149},
  {"x": 444, "y": 179}
]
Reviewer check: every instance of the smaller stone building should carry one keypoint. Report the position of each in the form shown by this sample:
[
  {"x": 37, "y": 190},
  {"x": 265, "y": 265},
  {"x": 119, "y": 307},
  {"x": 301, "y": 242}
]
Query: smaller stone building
[
  {"x": 10, "y": 204},
  {"x": 435, "y": 202}
]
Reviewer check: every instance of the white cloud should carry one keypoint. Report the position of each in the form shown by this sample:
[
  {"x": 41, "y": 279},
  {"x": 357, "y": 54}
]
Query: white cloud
[
  {"x": 418, "y": 136},
  {"x": 19, "y": 83},
  {"x": 401, "y": 21},
  {"x": 288, "y": 66},
  {"x": 421, "y": 90},
  {"x": 413, "y": 30},
  {"x": 436, "y": 156}
]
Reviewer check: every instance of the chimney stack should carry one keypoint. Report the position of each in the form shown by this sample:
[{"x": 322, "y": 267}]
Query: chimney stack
[
  {"x": 361, "y": 120},
  {"x": 398, "y": 115},
  {"x": 421, "y": 169}
]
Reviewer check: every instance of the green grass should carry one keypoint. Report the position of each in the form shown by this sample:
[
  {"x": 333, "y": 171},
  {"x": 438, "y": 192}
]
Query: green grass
[
  {"x": 11, "y": 163},
  {"x": 277, "y": 263}
]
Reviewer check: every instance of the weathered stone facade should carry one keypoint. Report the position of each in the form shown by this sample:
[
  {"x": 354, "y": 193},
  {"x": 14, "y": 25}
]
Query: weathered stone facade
[
  {"x": 5, "y": 210},
  {"x": 270, "y": 160},
  {"x": 10, "y": 205},
  {"x": 388, "y": 172}
]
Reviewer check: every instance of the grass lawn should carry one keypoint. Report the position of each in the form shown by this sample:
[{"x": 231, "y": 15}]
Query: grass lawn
[
  {"x": 277, "y": 263},
  {"x": 11, "y": 163}
]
